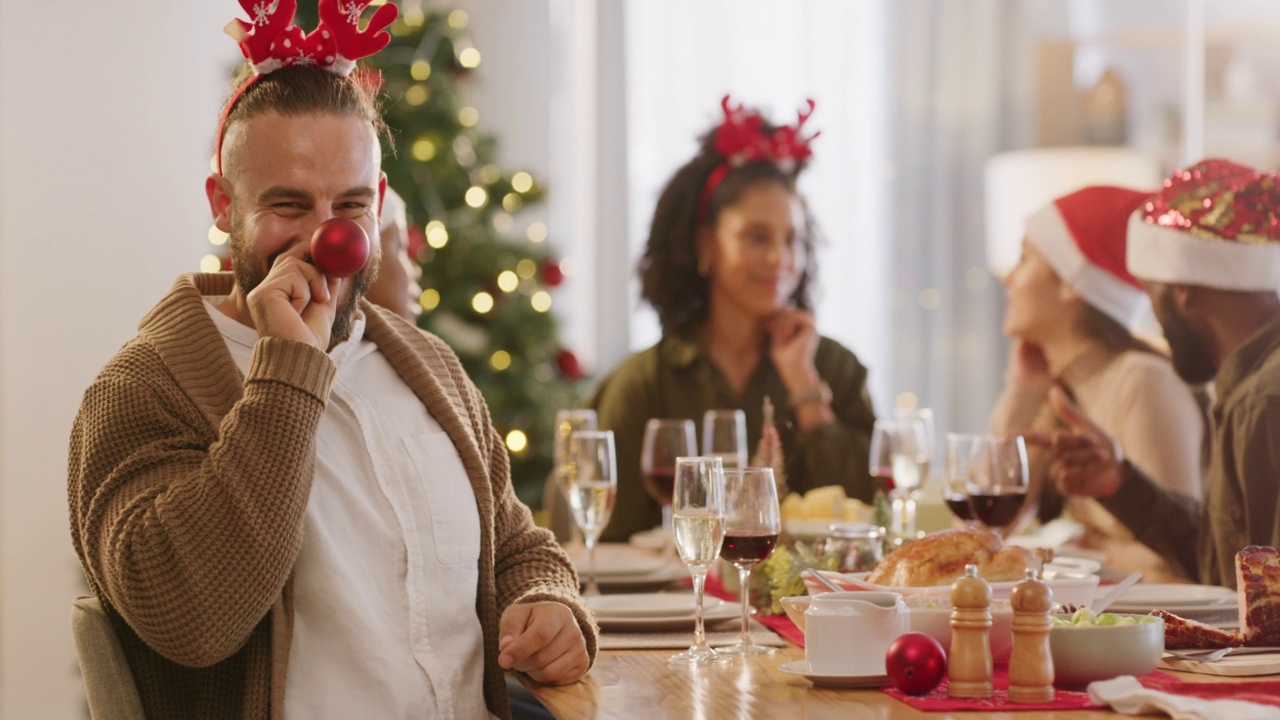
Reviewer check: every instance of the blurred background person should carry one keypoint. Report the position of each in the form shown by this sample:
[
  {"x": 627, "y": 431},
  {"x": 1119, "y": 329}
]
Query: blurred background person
[
  {"x": 729, "y": 266},
  {"x": 396, "y": 286},
  {"x": 1071, "y": 310}
]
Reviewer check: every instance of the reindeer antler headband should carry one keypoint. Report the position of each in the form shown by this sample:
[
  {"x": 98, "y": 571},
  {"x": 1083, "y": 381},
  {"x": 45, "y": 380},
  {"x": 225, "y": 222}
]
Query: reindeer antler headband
[
  {"x": 270, "y": 41},
  {"x": 741, "y": 139}
]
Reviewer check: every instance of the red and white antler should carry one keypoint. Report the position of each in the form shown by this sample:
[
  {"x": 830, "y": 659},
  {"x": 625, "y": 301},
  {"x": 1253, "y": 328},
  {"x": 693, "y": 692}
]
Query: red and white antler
[
  {"x": 341, "y": 18},
  {"x": 269, "y": 19}
]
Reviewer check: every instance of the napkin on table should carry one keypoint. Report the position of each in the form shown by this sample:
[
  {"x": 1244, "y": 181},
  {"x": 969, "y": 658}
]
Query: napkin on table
[{"x": 1126, "y": 695}]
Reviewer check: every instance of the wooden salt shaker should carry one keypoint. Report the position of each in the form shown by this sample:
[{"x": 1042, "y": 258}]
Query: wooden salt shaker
[
  {"x": 1031, "y": 664},
  {"x": 969, "y": 667}
]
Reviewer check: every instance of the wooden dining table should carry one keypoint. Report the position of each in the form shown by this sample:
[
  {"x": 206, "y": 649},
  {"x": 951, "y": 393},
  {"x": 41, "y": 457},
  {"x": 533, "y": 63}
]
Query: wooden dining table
[{"x": 641, "y": 684}]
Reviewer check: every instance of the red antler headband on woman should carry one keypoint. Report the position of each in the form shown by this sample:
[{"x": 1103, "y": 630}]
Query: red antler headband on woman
[
  {"x": 270, "y": 41},
  {"x": 741, "y": 139}
]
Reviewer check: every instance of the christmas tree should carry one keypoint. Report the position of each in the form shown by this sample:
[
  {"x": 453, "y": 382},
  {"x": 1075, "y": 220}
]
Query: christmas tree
[{"x": 487, "y": 275}]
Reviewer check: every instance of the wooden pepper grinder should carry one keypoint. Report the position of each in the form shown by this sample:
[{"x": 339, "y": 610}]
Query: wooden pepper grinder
[
  {"x": 1031, "y": 664},
  {"x": 969, "y": 668}
]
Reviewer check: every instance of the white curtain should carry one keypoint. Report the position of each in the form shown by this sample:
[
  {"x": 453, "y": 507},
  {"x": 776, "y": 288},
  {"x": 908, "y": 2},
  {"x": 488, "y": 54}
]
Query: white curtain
[
  {"x": 682, "y": 57},
  {"x": 913, "y": 96}
]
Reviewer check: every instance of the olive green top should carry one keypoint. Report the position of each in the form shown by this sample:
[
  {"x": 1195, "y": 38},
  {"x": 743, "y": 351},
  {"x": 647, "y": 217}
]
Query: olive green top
[
  {"x": 1242, "y": 494},
  {"x": 675, "y": 379}
]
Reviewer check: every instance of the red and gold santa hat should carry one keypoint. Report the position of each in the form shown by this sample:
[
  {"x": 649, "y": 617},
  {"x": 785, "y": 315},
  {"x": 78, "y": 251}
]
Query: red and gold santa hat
[
  {"x": 1082, "y": 236},
  {"x": 1215, "y": 224}
]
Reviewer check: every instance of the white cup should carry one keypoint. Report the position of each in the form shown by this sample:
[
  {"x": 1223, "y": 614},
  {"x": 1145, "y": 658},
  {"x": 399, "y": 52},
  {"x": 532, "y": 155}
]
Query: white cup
[{"x": 848, "y": 633}]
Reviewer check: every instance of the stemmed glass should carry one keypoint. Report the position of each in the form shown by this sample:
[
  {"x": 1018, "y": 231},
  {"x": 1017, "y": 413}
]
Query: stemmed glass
[
  {"x": 698, "y": 518},
  {"x": 899, "y": 459},
  {"x": 997, "y": 494},
  {"x": 664, "y": 441},
  {"x": 724, "y": 435},
  {"x": 966, "y": 454},
  {"x": 591, "y": 484},
  {"x": 751, "y": 526}
]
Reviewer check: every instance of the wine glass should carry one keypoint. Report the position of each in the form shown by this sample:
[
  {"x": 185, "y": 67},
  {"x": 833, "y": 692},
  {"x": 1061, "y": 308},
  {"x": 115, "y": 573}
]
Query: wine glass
[
  {"x": 664, "y": 441},
  {"x": 724, "y": 435},
  {"x": 997, "y": 494},
  {"x": 590, "y": 482},
  {"x": 966, "y": 452},
  {"x": 751, "y": 526},
  {"x": 698, "y": 520},
  {"x": 897, "y": 460}
]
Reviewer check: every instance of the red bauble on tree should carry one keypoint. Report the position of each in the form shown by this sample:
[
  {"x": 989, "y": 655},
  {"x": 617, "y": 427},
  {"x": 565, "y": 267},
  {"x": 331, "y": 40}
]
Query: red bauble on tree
[
  {"x": 569, "y": 365},
  {"x": 551, "y": 273}
]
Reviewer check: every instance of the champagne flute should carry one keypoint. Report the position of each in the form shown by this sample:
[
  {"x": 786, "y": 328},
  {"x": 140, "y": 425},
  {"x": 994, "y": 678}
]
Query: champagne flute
[
  {"x": 591, "y": 484},
  {"x": 568, "y": 422},
  {"x": 751, "y": 526},
  {"x": 966, "y": 452},
  {"x": 997, "y": 494},
  {"x": 664, "y": 441},
  {"x": 920, "y": 446},
  {"x": 698, "y": 519},
  {"x": 724, "y": 435}
]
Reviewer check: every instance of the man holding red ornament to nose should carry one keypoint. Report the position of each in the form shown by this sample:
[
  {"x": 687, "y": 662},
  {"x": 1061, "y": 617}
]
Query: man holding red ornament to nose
[{"x": 291, "y": 502}]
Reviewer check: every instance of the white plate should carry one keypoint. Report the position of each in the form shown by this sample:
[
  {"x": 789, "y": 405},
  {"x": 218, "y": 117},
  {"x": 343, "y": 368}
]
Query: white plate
[
  {"x": 1170, "y": 596},
  {"x": 801, "y": 668},
  {"x": 807, "y": 529},
  {"x": 617, "y": 559},
  {"x": 1074, "y": 590},
  {"x": 663, "y": 576},
  {"x": 714, "y": 611},
  {"x": 644, "y": 605}
]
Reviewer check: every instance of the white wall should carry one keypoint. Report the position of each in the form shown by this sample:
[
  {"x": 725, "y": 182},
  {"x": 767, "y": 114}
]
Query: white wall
[{"x": 106, "y": 117}]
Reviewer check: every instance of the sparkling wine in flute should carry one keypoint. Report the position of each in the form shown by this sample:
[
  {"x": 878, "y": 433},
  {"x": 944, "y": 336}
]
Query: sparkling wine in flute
[
  {"x": 699, "y": 536},
  {"x": 592, "y": 504},
  {"x": 745, "y": 549}
]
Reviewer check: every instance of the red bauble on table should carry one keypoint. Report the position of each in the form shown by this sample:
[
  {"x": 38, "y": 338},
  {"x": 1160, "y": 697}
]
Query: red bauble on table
[
  {"x": 339, "y": 247},
  {"x": 916, "y": 663}
]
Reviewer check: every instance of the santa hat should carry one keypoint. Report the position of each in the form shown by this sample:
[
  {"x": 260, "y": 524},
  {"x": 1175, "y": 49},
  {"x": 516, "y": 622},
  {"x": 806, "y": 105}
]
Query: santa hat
[
  {"x": 1215, "y": 224},
  {"x": 1082, "y": 235}
]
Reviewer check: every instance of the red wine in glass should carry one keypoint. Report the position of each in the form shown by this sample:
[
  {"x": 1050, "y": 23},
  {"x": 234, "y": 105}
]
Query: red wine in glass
[
  {"x": 661, "y": 483},
  {"x": 747, "y": 549},
  {"x": 959, "y": 506},
  {"x": 997, "y": 510}
]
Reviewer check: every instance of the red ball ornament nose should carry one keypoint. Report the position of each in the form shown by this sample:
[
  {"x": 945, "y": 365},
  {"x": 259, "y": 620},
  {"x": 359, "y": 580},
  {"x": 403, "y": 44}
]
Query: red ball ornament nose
[{"x": 339, "y": 247}]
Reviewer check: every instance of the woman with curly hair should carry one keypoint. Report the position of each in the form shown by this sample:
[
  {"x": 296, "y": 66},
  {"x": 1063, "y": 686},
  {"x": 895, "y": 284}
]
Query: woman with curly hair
[{"x": 729, "y": 266}]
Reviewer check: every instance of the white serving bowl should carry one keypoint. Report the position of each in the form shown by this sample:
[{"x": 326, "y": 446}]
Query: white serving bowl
[
  {"x": 1084, "y": 653},
  {"x": 931, "y": 616}
]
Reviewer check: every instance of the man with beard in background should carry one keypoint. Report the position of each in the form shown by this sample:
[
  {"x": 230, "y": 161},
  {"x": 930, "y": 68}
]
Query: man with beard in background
[{"x": 1207, "y": 250}]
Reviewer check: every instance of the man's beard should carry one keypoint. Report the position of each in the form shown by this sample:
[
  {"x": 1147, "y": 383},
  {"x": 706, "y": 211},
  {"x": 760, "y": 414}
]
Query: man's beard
[
  {"x": 1189, "y": 352},
  {"x": 250, "y": 272}
]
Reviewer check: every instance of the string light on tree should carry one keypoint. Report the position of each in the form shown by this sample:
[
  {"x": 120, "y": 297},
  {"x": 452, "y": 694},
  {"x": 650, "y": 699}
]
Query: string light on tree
[
  {"x": 484, "y": 270},
  {"x": 210, "y": 264},
  {"x": 217, "y": 237}
]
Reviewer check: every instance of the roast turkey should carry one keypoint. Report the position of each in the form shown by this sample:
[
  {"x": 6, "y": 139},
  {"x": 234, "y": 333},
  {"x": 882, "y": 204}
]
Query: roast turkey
[
  {"x": 1258, "y": 586},
  {"x": 939, "y": 558}
]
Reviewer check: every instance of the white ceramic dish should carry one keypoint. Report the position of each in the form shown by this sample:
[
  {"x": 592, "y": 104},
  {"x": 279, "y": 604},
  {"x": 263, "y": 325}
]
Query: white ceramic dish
[
  {"x": 1076, "y": 591},
  {"x": 801, "y": 668},
  {"x": 1085, "y": 653},
  {"x": 1171, "y": 596},
  {"x": 932, "y": 616},
  {"x": 714, "y": 610}
]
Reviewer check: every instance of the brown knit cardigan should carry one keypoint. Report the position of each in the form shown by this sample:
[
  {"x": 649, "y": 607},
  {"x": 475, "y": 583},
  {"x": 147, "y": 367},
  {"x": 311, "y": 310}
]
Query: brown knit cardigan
[{"x": 188, "y": 484}]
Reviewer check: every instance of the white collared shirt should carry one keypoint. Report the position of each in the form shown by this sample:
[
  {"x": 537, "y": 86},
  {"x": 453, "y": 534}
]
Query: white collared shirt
[{"x": 385, "y": 622}]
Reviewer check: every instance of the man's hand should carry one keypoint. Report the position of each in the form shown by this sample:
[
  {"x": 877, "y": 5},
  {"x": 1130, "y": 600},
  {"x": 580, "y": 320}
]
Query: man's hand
[
  {"x": 1086, "y": 461},
  {"x": 295, "y": 301},
  {"x": 542, "y": 640}
]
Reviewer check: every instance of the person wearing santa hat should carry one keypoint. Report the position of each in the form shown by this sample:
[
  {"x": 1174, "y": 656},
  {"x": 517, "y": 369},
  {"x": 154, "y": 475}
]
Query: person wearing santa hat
[
  {"x": 1071, "y": 310},
  {"x": 1207, "y": 250}
]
